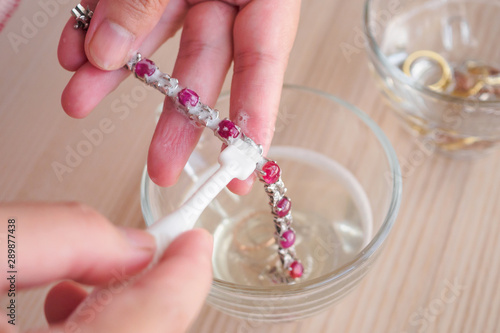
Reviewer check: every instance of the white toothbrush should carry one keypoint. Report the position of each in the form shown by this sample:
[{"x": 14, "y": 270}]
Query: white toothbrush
[{"x": 236, "y": 161}]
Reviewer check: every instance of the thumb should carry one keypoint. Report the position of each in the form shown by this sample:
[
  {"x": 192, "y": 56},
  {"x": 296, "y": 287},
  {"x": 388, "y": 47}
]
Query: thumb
[{"x": 118, "y": 28}]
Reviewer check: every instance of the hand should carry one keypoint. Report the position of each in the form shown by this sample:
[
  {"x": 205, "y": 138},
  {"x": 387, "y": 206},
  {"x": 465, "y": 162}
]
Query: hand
[
  {"x": 71, "y": 241},
  {"x": 256, "y": 34}
]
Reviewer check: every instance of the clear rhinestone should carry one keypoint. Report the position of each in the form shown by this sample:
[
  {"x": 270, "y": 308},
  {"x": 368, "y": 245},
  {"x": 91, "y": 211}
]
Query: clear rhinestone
[
  {"x": 286, "y": 258},
  {"x": 174, "y": 85},
  {"x": 284, "y": 221},
  {"x": 134, "y": 60}
]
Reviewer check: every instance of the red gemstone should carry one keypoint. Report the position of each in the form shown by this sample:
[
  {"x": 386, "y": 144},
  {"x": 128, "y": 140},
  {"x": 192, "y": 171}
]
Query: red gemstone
[
  {"x": 228, "y": 129},
  {"x": 271, "y": 172},
  {"x": 145, "y": 67},
  {"x": 296, "y": 269},
  {"x": 283, "y": 207},
  {"x": 287, "y": 239},
  {"x": 187, "y": 96}
]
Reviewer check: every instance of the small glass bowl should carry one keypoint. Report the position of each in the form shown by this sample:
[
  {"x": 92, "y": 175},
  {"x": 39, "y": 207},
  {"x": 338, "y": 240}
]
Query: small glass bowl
[
  {"x": 344, "y": 181},
  {"x": 449, "y": 49}
]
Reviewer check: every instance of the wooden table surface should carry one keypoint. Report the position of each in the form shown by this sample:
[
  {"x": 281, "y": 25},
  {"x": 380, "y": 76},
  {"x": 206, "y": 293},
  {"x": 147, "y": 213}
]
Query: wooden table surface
[{"x": 440, "y": 270}]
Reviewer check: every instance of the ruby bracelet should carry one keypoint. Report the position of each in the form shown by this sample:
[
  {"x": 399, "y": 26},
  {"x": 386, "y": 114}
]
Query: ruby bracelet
[{"x": 188, "y": 102}]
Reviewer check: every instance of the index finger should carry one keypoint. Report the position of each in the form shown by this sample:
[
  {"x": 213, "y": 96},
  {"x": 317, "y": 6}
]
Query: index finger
[{"x": 69, "y": 241}]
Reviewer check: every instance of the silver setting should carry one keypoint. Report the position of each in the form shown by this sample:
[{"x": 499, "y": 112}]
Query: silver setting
[
  {"x": 281, "y": 227},
  {"x": 252, "y": 143},
  {"x": 207, "y": 115},
  {"x": 276, "y": 275},
  {"x": 260, "y": 148},
  {"x": 133, "y": 61},
  {"x": 277, "y": 188},
  {"x": 276, "y": 192},
  {"x": 283, "y": 222},
  {"x": 163, "y": 84},
  {"x": 82, "y": 17},
  {"x": 286, "y": 257},
  {"x": 174, "y": 86}
]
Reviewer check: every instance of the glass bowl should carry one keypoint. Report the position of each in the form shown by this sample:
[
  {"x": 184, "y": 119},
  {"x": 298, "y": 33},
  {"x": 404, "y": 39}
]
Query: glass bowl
[
  {"x": 344, "y": 180},
  {"x": 438, "y": 65}
]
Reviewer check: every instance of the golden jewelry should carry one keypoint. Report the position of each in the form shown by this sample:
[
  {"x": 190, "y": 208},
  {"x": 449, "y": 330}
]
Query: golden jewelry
[{"x": 446, "y": 75}]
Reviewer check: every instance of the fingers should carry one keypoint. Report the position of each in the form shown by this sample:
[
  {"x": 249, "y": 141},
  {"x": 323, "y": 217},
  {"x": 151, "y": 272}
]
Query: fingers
[
  {"x": 171, "y": 294},
  {"x": 71, "y": 52},
  {"x": 204, "y": 58},
  {"x": 264, "y": 32},
  {"x": 62, "y": 300},
  {"x": 118, "y": 29},
  {"x": 72, "y": 241},
  {"x": 90, "y": 85}
]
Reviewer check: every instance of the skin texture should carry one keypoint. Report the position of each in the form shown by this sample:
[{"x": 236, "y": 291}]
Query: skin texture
[
  {"x": 74, "y": 243},
  {"x": 255, "y": 35}
]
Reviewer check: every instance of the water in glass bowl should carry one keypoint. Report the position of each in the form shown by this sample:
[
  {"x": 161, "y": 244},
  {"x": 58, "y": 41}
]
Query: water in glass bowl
[
  {"x": 462, "y": 51},
  {"x": 455, "y": 31},
  {"x": 331, "y": 216}
]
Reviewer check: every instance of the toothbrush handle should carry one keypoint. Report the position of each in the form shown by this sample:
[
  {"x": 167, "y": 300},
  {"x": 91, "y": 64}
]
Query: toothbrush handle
[
  {"x": 234, "y": 163},
  {"x": 168, "y": 228}
]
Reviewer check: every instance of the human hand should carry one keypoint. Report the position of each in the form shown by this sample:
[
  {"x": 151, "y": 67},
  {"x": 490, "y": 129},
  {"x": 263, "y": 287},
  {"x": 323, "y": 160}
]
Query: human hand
[
  {"x": 72, "y": 241},
  {"x": 256, "y": 34}
]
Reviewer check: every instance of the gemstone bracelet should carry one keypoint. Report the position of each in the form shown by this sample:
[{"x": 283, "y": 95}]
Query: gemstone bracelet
[{"x": 188, "y": 102}]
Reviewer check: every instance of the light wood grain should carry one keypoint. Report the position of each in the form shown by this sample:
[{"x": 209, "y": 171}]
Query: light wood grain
[{"x": 447, "y": 231}]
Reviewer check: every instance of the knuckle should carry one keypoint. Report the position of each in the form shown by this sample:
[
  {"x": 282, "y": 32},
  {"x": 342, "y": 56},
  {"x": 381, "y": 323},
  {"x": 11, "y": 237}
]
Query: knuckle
[
  {"x": 249, "y": 60},
  {"x": 194, "y": 48},
  {"x": 238, "y": 3},
  {"x": 137, "y": 9}
]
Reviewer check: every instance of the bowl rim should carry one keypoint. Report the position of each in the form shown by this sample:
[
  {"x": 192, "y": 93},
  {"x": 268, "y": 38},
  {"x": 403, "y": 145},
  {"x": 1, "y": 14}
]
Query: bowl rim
[
  {"x": 361, "y": 258},
  {"x": 373, "y": 47}
]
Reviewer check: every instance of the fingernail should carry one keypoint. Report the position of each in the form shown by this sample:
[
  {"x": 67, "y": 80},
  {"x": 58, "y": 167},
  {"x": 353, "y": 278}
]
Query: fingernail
[
  {"x": 139, "y": 239},
  {"x": 111, "y": 45}
]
